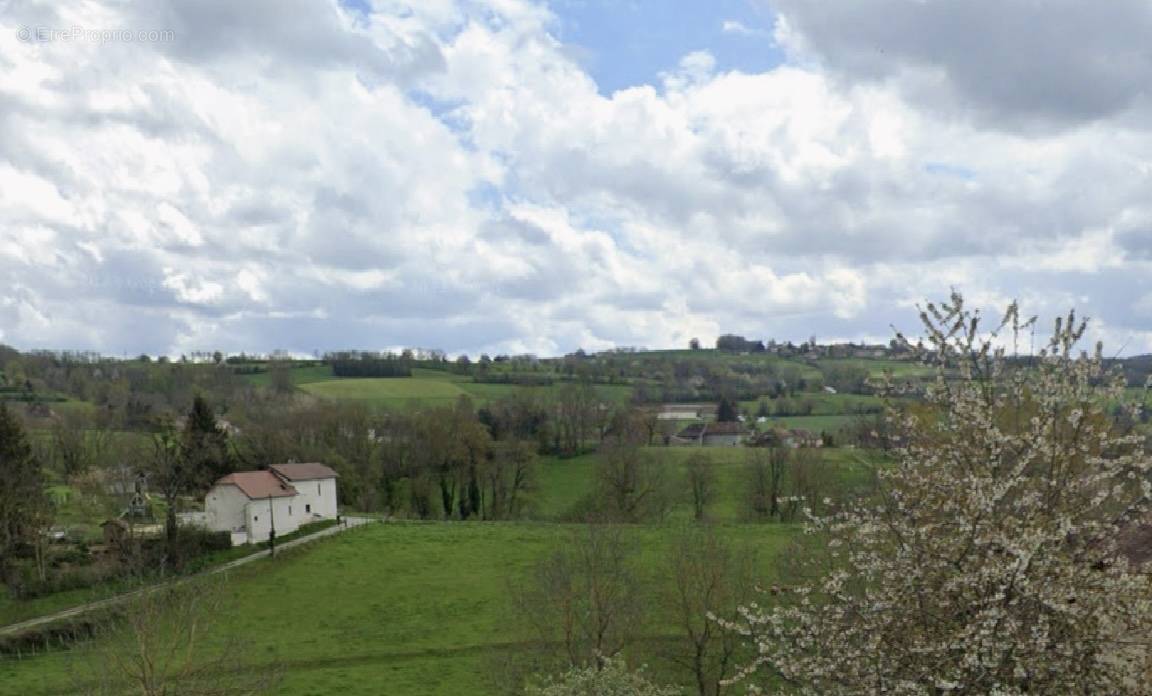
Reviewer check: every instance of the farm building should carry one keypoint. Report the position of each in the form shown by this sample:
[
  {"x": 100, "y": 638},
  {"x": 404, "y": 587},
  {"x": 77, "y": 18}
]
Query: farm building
[
  {"x": 783, "y": 437},
  {"x": 686, "y": 411},
  {"x": 119, "y": 531},
  {"x": 249, "y": 504},
  {"x": 714, "y": 434}
]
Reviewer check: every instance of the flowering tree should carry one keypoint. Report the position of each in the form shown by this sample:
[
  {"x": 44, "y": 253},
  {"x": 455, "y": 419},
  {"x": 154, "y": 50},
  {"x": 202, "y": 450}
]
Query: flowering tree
[
  {"x": 610, "y": 679},
  {"x": 988, "y": 562}
]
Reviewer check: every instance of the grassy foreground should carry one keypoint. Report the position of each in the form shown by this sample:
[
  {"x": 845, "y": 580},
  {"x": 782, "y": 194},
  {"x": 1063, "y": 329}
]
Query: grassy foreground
[{"x": 406, "y": 608}]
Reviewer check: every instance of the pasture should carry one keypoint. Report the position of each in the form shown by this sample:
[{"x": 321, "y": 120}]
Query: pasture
[
  {"x": 425, "y": 387},
  {"x": 563, "y": 483},
  {"x": 407, "y": 609}
]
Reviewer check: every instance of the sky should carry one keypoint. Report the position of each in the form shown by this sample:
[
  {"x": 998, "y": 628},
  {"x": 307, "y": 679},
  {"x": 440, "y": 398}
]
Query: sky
[{"x": 513, "y": 176}]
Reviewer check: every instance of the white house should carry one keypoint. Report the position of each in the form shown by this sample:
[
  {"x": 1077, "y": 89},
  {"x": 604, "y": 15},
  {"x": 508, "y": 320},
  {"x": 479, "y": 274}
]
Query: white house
[
  {"x": 315, "y": 484},
  {"x": 251, "y": 503}
]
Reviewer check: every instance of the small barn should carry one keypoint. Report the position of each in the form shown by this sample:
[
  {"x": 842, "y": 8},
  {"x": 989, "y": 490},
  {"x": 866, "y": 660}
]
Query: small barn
[
  {"x": 250, "y": 504},
  {"x": 714, "y": 434}
]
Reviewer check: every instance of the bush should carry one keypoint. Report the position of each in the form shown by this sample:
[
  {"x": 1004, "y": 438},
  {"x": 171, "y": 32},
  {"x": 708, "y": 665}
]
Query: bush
[
  {"x": 56, "y": 634},
  {"x": 72, "y": 555},
  {"x": 192, "y": 542},
  {"x": 24, "y": 584},
  {"x": 372, "y": 367},
  {"x": 613, "y": 678}
]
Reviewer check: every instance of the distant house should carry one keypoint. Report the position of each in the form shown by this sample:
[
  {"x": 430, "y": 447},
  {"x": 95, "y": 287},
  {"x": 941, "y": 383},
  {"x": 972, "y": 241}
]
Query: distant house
[
  {"x": 794, "y": 438},
  {"x": 724, "y": 434},
  {"x": 714, "y": 434},
  {"x": 224, "y": 426},
  {"x": 798, "y": 437},
  {"x": 691, "y": 435},
  {"x": 252, "y": 503},
  {"x": 686, "y": 411}
]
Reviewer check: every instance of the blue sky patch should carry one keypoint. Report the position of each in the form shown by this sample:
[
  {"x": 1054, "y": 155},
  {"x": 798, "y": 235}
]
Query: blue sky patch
[{"x": 623, "y": 43}]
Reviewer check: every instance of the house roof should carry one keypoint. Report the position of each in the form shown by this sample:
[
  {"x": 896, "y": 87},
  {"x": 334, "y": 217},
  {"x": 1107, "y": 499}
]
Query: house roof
[
  {"x": 258, "y": 484},
  {"x": 692, "y": 431},
  {"x": 304, "y": 471},
  {"x": 725, "y": 428}
]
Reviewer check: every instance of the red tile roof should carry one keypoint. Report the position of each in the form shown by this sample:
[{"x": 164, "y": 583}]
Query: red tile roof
[
  {"x": 303, "y": 471},
  {"x": 258, "y": 484}
]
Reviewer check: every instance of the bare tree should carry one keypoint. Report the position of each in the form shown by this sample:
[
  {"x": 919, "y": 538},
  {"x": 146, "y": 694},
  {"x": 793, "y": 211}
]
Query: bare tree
[
  {"x": 171, "y": 476},
  {"x": 700, "y": 472},
  {"x": 811, "y": 484},
  {"x": 585, "y": 596},
  {"x": 167, "y": 641},
  {"x": 710, "y": 580},
  {"x": 78, "y": 445},
  {"x": 765, "y": 469},
  {"x": 510, "y": 474},
  {"x": 632, "y": 485},
  {"x": 452, "y": 444},
  {"x": 280, "y": 376},
  {"x": 574, "y": 416}
]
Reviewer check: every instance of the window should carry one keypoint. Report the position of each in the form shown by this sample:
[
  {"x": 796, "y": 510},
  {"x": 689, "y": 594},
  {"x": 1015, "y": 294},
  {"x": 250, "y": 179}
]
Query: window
[
  {"x": 307, "y": 508},
  {"x": 255, "y": 518},
  {"x": 289, "y": 510},
  {"x": 317, "y": 488}
]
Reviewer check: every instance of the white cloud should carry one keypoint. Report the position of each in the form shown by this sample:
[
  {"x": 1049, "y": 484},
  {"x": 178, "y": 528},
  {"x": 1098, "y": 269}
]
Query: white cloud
[
  {"x": 734, "y": 26},
  {"x": 444, "y": 174}
]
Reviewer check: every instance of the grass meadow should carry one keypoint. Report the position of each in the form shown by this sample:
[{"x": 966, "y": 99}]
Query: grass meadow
[
  {"x": 402, "y": 609},
  {"x": 564, "y": 482},
  {"x": 424, "y": 388}
]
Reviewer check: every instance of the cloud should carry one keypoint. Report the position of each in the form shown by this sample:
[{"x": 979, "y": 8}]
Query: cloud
[
  {"x": 445, "y": 174},
  {"x": 738, "y": 28},
  {"x": 1012, "y": 64}
]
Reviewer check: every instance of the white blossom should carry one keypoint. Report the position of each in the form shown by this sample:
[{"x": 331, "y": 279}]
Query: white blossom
[{"x": 989, "y": 561}]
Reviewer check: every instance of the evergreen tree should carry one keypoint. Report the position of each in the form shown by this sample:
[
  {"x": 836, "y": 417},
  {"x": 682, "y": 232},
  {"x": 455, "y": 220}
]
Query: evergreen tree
[
  {"x": 726, "y": 410},
  {"x": 206, "y": 445},
  {"x": 22, "y": 496}
]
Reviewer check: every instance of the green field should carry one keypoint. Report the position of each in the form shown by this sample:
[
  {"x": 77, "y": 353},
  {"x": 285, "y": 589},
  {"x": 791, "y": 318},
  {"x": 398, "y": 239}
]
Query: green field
[
  {"x": 824, "y": 404},
  {"x": 563, "y": 482},
  {"x": 877, "y": 368},
  {"x": 300, "y": 375},
  {"x": 400, "y": 609},
  {"x": 421, "y": 607},
  {"x": 391, "y": 392},
  {"x": 424, "y": 387}
]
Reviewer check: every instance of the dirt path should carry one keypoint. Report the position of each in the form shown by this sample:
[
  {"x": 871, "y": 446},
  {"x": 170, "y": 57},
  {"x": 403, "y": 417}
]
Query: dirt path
[{"x": 19, "y": 627}]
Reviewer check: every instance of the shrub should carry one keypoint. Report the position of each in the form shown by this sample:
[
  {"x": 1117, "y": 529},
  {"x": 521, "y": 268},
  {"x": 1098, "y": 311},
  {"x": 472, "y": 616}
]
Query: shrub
[{"x": 613, "y": 678}]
